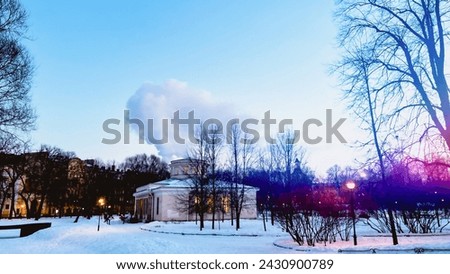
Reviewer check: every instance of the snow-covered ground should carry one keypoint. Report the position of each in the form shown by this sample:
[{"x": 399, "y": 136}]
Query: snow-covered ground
[{"x": 66, "y": 237}]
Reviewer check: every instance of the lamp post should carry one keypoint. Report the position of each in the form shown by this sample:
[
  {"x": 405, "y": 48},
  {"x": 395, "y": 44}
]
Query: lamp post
[
  {"x": 101, "y": 203},
  {"x": 351, "y": 185}
]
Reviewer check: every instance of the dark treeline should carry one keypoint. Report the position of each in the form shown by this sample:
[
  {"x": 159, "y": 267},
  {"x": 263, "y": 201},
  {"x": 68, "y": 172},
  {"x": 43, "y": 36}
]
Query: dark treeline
[{"x": 52, "y": 182}]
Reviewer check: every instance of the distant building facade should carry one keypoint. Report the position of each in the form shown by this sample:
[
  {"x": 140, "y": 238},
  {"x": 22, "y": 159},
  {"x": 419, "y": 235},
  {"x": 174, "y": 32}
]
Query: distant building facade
[{"x": 167, "y": 200}]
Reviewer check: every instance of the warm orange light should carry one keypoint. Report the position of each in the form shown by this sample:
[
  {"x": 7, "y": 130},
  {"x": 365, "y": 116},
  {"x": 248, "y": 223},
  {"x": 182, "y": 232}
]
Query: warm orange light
[{"x": 101, "y": 201}]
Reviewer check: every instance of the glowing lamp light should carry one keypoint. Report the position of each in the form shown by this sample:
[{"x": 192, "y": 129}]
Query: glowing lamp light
[
  {"x": 350, "y": 185},
  {"x": 101, "y": 201}
]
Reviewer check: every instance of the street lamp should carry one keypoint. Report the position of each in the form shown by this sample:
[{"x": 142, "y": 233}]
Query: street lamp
[
  {"x": 101, "y": 203},
  {"x": 351, "y": 185}
]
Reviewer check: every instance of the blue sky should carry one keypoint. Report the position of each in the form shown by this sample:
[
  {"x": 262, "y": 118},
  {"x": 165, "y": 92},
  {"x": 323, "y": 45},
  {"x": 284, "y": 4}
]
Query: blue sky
[{"x": 92, "y": 56}]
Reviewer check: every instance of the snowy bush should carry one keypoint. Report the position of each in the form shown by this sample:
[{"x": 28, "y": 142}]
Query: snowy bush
[{"x": 312, "y": 215}]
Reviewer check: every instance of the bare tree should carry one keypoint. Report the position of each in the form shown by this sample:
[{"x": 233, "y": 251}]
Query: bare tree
[
  {"x": 274, "y": 171},
  {"x": 13, "y": 172},
  {"x": 47, "y": 178},
  {"x": 151, "y": 167},
  {"x": 288, "y": 152},
  {"x": 4, "y": 191},
  {"x": 248, "y": 158},
  {"x": 142, "y": 169},
  {"x": 233, "y": 140},
  {"x": 406, "y": 42},
  {"x": 363, "y": 95},
  {"x": 242, "y": 157},
  {"x": 206, "y": 194},
  {"x": 285, "y": 151},
  {"x": 17, "y": 116},
  {"x": 199, "y": 194},
  {"x": 394, "y": 70},
  {"x": 76, "y": 174},
  {"x": 213, "y": 147}
]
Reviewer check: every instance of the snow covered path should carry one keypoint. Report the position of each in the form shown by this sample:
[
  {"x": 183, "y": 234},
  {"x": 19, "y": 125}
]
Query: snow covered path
[{"x": 66, "y": 237}]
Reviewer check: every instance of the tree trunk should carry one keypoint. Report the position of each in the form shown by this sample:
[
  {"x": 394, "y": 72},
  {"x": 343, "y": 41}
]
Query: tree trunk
[
  {"x": 2, "y": 205},
  {"x": 379, "y": 153},
  {"x": 202, "y": 220},
  {"x": 392, "y": 224},
  {"x": 39, "y": 209},
  {"x": 213, "y": 205},
  {"x": 264, "y": 220},
  {"x": 12, "y": 208},
  {"x": 232, "y": 206}
]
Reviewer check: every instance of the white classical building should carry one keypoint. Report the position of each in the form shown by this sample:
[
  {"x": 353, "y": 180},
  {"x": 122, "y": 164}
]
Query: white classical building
[{"x": 167, "y": 200}]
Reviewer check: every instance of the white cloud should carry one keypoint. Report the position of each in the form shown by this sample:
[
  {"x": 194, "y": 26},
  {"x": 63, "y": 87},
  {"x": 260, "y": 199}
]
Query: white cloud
[{"x": 158, "y": 102}]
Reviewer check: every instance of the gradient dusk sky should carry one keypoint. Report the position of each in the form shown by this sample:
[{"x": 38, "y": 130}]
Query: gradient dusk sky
[{"x": 242, "y": 57}]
